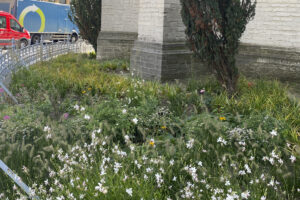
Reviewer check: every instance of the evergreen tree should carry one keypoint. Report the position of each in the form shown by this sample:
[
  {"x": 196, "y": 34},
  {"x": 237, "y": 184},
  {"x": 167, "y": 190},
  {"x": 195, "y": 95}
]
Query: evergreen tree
[
  {"x": 86, "y": 14},
  {"x": 214, "y": 28}
]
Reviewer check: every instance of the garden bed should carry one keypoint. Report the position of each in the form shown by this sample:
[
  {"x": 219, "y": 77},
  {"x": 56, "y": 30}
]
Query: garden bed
[{"x": 86, "y": 132}]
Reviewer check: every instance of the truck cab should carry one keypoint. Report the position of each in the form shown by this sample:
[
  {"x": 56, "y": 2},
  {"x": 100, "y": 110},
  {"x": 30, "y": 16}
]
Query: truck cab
[{"x": 10, "y": 29}]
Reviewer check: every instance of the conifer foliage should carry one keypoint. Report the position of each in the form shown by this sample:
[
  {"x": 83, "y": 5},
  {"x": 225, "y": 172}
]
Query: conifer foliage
[
  {"x": 86, "y": 14},
  {"x": 213, "y": 28}
]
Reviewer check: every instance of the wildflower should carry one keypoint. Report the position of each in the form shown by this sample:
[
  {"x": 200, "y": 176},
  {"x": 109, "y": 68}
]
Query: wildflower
[
  {"x": 273, "y": 133},
  {"x": 250, "y": 84},
  {"x": 152, "y": 142},
  {"x": 164, "y": 127},
  {"x": 89, "y": 89},
  {"x": 200, "y": 163},
  {"x": 159, "y": 179},
  {"x": 135, "y": 120},
  {"x": 222, "y": 118},
  {"x": 263, "y": 198},
  {"x": 15, "y": 187},
  {"x": 293, "y": 158},
  {"x": 47, "y": 129},
  {"x": 100, "y": 188},
  {"x": 25, "y": 169},
  {"x": 222, "y": 141},
  {"x": 190, "y": 144},
  {"x": 227, "y": 183},
  {"x": 129, "y": 191},
  {"x": 1, "y": 90},
  {"x": 124, "y": 111},
  {"x": 82, "y": 109},
  {"x": 87, "y": 117},
  {"x": 171, "y": 162},
  {"x": 76, "y": 107},
  {"x": 6, "y": 117},
  {"x": 245, "y": 194},
  {"x": 117, "y": 166},
  {"x": 66, "y": 115},
  {"x": 242, "y": 172},
  {"x": 202, "y": 91},
  {"x": 248, "y": 169},
  {"x": 83, "y": 92}
]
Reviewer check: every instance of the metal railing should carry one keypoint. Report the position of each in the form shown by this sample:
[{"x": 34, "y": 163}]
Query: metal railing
[{"x": 13, "y": 59}]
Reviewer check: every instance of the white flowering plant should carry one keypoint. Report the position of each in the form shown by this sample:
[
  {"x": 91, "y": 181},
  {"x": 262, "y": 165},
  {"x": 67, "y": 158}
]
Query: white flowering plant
[{"x": 94, "y": 135}]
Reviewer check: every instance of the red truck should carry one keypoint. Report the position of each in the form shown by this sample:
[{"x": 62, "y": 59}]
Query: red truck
[{"x": 10, "y": 29}]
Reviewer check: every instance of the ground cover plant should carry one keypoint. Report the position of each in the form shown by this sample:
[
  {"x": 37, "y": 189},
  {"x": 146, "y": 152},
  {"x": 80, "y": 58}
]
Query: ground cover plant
[{"x": 83, "y": 132}]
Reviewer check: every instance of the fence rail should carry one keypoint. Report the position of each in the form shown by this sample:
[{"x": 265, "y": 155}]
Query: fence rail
[{"x": 14, "y": 59}]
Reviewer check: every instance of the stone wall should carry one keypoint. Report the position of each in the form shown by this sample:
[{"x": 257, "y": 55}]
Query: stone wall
[
  {"x": 276, "y": 23},
  {"x": 151, "y": 21},
  {"x": 119, "y": 28},
  {"x": 120, "y": 16}
]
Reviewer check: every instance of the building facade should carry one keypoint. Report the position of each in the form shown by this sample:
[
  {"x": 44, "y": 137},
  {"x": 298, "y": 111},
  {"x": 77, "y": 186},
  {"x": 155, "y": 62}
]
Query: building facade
[{"x": 151, "y": 34}]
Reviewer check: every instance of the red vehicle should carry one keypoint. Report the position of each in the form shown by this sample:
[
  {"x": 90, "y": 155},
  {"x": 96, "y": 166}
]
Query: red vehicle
[{"x": 10, "y": 29}]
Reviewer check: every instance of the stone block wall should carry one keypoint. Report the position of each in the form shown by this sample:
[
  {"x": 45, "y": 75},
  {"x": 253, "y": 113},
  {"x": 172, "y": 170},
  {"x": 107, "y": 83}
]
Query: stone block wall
[
  {"x": 120, "y": 15},
  {"x": 119, "y": 28},
  {"x": 173, "y": 22},
  {"x": 276, "y": 23},
  {"x": 151, "y": 21}
]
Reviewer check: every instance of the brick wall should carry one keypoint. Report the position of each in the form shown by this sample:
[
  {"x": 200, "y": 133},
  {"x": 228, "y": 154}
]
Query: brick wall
[
  {"x": 277, "y": 23},
  {"x": 120, "y": 15}
]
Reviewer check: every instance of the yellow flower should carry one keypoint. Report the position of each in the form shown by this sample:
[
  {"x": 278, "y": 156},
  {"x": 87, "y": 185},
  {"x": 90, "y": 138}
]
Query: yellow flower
[
  {"x": 89, "y": 89},
  {"x": 83, "y": 92},
  {"x": 152, "y": 143},
  {"x": 163, "y": 127},
  {"x": 222, "y": 118}
]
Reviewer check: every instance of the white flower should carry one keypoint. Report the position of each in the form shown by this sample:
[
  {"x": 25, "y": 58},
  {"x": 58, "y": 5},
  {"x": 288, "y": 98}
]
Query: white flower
[
  {"x": 82, "y": 109},
  {"x": 200, "y": 163},
  {"x": 248, "y": 169},
  {"x": 124, "y": 111},
  {"x": 100, "y": 188},
  {"x": 227, "y": 183},
  {"x": 263, "y": 198},
  {"x": 47, "y": 129},
  {"x": 87, "y": 117},
  {"x": 292, "y": 158},
  {"x": 190, "y": 144},
  {"x": 222, "y": 141},
  {"x": 76, "y": 107},
  {"x": 49, "y": 136},
  {"x": 135, "y": 120},
  {"x": 127, "y": 139},
  {"x": 129, "y": 191},
  {"x": 273, "y": 133},
  {"x": 245, "y": 194},
  {"x": 242, "y": 172},
  {"x": 172, "y": 162}
]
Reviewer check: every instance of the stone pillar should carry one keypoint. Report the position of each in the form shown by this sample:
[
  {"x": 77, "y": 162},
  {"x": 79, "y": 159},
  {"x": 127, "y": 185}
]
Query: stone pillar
[
  {"x": 118, "y": 28},
  {"x": 160, "y": 52}
]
